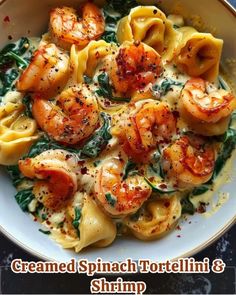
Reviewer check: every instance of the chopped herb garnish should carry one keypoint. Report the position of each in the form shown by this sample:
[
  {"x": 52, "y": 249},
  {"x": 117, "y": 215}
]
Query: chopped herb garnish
[
  {"x": 46, "y": 232},
  {"x": 176, "y": 26},
  {"x": 87, "y": 79},
  {"x": 222, "y": 84},
  {"x": 110, "y": 199}
]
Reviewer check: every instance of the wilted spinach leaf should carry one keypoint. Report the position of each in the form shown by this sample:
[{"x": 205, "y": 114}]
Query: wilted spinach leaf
[
  {"x": 222, "y": 84},
  {"x": 45, "y": 143},
  {"x": 99, "y": 139},
  {"x": 161, "y": 188},
  {"x": 12, "y": 52},
  {"x": 129, "y": 169},
  {"x": 187, "y": 206},
  {"x": 229, "y": 144},
  {"x": 105, "y": 89},
  {"x": 76, "y": 220},
  {"x": 113, "y": 12},
  {"x": 15, "y": 174},
  {"x": 46, "y": 232},
  {"x": 11, "y": 61},
  {"x": 110, "y": 199},
  {"x": 123, "y": 7},
  {"x": 7, "y": 78},
  {"x": 24, "y": 197},
  {"x": 200, "y": 190},
  {"x": 165, "y": 86},
  {"x": 28, "y": 105}
]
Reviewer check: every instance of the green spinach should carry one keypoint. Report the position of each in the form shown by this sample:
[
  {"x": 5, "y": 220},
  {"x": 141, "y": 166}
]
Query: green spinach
[
  {"x": 161, "y": 188},
  {"x": 110, "y": 199},
  {"x": 11, "y": 62},
  {"x": 105, "y": 89},
  {"x": 165, "y": 86},
  {"x": 15, "y": 174},
  {"x": 45, "y": 143},
  {"x": 45, "y": 232},
  {"x": 76, "y": 221},
  {"x": 24, "y": 197},
  {"x": 7, "y": 78},
  {"x": 27, "y": 101},
  {"x": 113, "y": 12},
  {"x": 99, "y": 139},
  {"x": 156, "y": 166},
  {"x": 187, "y": 206},
  {"x": 222, "y": 84},
  {"x": 229, "y": 144},
  {"x": 123, "y": 7},
  {"x": 129, "y": 169},
  {"x": 200, "y": 190},
  {"x": 16, "y": 50}
]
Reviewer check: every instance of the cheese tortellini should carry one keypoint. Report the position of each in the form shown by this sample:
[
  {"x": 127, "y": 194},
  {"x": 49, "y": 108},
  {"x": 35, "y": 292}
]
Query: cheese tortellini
[
  {"x": 17, "y": 131},
  {"x": 149, "y": 25},
  {"x": 156, "y": 219},
  {"x": 85, "y": 61},
  {"x": 96, "y": 229},
  {"x": 198, "y": 54}
]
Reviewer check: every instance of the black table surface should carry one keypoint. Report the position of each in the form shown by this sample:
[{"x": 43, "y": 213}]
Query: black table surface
[{"x": 224, "y": 283}]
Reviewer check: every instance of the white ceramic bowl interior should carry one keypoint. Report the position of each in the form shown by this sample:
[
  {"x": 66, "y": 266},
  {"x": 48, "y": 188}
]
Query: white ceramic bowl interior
[{"x": 30, "y": 18}]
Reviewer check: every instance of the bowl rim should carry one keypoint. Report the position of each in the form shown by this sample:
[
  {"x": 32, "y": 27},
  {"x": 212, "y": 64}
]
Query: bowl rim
[{"x": 192, "y": 252}]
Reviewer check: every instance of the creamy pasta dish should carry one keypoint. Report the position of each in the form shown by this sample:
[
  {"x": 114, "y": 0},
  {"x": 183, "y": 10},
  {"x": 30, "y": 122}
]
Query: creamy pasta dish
[{"x": 113, "y": 121}]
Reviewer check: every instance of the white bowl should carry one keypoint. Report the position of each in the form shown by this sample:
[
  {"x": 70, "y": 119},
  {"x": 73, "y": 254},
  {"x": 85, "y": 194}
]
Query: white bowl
[{"x": 28, "y": 15}]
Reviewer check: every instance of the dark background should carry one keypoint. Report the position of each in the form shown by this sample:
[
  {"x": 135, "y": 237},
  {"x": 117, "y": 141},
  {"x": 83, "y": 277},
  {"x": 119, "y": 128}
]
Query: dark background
[{"x": 225, "y": 283}]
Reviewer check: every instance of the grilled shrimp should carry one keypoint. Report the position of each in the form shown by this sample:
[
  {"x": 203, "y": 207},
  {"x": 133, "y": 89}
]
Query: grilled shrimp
[
  {"x": 55, "y": 171},
  {"x": 189, "y": 161},
  {"x": 67, "y": 28},
  {"x": 205, "y": 103},
  {"x": 134, "y": 67},
  {"x": 152, "y": 123},
  {"x": 119, "y": 196},
  {"x": 73, "y": 117},
  {"x": 47, "y": 73}
]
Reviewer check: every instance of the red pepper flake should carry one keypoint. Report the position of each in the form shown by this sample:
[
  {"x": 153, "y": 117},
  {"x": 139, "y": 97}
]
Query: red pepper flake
[
  {"x": 6, "y": 19},
  {"x": 167, "y": 204},
  {"x": 201, "y": 208},
  {"x": 178, "y": 227},
  {"x": 176, "y": 114},
  {"x": 178, "y": 236},
  {"x": 163, "y": 186},
  {"x": 9, "y": 37},
  {"x": 84, "y": 170}
]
